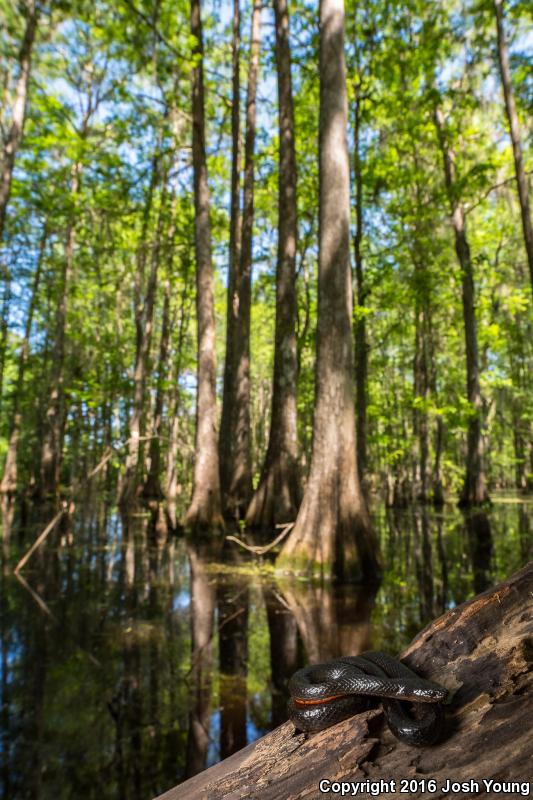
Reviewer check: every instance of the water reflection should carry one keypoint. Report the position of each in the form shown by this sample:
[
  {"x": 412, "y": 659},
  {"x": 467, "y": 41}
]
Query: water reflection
[
  {"x": 331, "y": 620},
  {"x": 232, "y": 607},
  {"x": 131, "y": 660},
  {"x": 285, "y": 654},
  {"x": 481, "y": 547},
  {"x": 203, "y": 597}
]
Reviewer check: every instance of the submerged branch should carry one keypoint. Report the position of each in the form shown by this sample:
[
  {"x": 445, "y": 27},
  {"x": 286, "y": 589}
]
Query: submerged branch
[{"x": 261, "y": 550}]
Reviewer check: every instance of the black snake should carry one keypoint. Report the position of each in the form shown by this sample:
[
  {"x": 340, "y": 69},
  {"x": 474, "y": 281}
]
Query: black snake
[{"x": 324, "y": 694}]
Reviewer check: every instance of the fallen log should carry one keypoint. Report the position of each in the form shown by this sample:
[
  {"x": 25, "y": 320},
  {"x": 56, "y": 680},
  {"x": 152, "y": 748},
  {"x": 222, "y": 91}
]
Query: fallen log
[{"x": 482, "y": 652}]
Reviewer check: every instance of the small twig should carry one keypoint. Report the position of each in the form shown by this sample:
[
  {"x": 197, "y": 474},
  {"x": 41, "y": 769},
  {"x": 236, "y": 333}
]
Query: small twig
[
  {"x": 265, "y": 548},
  {"x": 231, "y": 617},
  {"x": 492, "y": 188},
  {"x": 40, "y": 539},
  {"x": 281, "y": 600},
  {"x": 102, "y": 464}
]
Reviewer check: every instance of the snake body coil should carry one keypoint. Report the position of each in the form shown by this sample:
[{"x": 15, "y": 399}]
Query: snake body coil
[{"x": 324, "y": 694}]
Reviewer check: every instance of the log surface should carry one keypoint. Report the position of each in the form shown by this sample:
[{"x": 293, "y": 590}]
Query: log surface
[{"x": 482, "y": 652}]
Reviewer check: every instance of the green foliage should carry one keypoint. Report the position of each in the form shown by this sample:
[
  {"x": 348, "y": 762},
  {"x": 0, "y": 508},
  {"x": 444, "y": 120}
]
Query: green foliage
[{"x": 110, "y": 93}]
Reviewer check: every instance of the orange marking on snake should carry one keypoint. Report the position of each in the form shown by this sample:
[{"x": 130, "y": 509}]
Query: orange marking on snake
[{"x": 300, "y": 702}]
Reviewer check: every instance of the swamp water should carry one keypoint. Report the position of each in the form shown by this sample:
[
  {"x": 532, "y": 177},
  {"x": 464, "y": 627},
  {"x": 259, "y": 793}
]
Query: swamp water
[{"x": 128, "y": 664}]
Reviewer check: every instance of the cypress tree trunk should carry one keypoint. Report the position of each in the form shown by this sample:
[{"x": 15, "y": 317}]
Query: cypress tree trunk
[
  {"x": 205, "y": 507},
  {"x": 474, "y": 489},
  {"x": 18, "y": 113},
  {"x": 225, "y": 442},
  {"x": 333, "y": 534},
  {"x": 277, "y": 497},
  {"x": 514, "y": 130},
  {"x": 237, "y": 472}
]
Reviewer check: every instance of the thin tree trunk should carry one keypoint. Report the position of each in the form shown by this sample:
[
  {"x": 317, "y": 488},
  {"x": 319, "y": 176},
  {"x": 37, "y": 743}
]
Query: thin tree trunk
[
  {"x": 435, "y": 479},
  {"x": 333, "y": 533},
  {"x": 4, "y": 325},
  {"x": 152, "y": 487},
  {"x": 143, "y": 331},
  {"x": 438, "y": 491},
  {"x": 173, "y": 448},
  {"x": 277, "y": 497},
  {"x": 205, "y": 508},
  {"x": 474, "y": 489},
  {"x": 420, "y": 414},
  {"x": 18, "y": 114},
  {"x": 8, "y": 486},
  {"x": 237, "y": 488},
  {"x": 361, "y": 346},
  {"x": 225, "y": 443},
  {"x": 51, "y": 456},
  {"x": 514, "y": 129}
]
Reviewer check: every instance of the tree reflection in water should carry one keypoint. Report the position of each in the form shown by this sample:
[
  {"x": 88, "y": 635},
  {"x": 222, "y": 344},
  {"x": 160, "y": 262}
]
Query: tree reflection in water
[
  {"x": 481, "y": 547},
  {"x": 203, "y": 597},
  {"x": 232, "y": 606},
  {"x": 130, "y": 660}
]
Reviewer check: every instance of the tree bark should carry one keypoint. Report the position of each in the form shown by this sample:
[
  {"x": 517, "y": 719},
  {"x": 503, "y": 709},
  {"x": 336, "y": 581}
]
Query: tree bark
[
  {"x": 8, "y": 486},
  {"x": 333, "y": 533},
  {"x": 474, "y": 490},
  {"x": 277, "y": 496},
  {"x": 514, "y": 130},
  {"x": 18, "y": 114},
  {"x": 205, "y": 507},
  {"x": 225, "y": 440},
  {"x": 237, "y": 472}
]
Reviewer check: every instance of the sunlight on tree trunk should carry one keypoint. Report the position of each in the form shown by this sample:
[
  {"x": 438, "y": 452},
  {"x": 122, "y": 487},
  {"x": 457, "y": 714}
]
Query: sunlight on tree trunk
[
  {"x": 205, "y": 508},
  {"x": 277, "y": 497},
  {"x": 237, "y": 472},
  {"x": 333, "y": 534}
]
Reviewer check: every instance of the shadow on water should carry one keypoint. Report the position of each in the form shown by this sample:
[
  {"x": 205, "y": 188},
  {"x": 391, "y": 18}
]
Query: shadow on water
[{"x": 131, "y": 660}]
